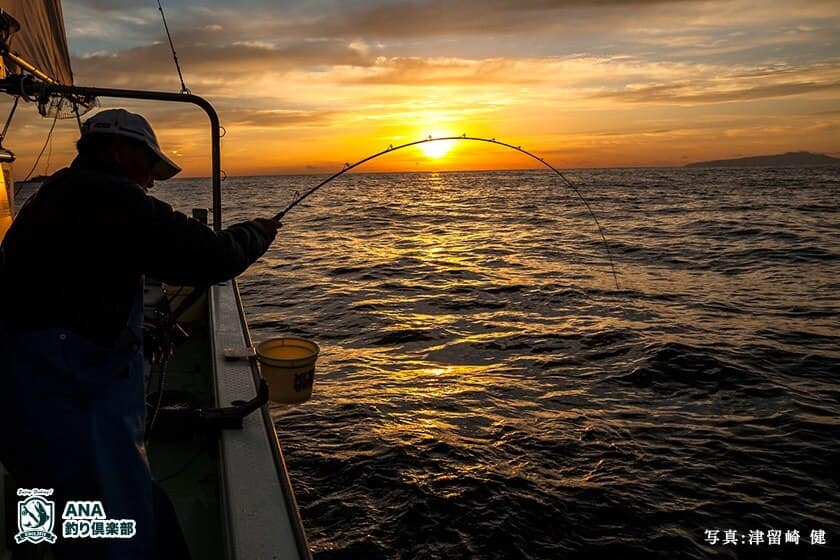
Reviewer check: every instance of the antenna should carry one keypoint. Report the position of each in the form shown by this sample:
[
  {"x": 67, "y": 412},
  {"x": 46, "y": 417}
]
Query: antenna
[{"x": 184, "y": 88}]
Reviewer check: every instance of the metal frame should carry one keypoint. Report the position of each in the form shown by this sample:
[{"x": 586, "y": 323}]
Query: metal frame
[{"x": 27, "y": 87}]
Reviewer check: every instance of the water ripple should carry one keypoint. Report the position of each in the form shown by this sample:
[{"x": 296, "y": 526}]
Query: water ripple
[{"x": 485, "y": 391}]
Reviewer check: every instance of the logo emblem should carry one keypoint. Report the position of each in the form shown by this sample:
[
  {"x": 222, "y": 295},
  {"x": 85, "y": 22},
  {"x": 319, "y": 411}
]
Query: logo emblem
[{"x": 36, "y": 518}]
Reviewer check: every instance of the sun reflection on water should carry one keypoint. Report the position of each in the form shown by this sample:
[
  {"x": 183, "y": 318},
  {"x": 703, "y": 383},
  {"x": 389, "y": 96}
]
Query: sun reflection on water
[{"x": 480, "y": 371}]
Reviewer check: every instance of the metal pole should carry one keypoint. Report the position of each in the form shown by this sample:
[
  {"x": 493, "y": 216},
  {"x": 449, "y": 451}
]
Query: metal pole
[{"x": 27, "y": 87}]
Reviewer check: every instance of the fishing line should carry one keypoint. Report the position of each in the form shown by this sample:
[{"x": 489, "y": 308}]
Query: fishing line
[
  {"x": 298, "y": 198},
  {"x": 347, "y": 167}
]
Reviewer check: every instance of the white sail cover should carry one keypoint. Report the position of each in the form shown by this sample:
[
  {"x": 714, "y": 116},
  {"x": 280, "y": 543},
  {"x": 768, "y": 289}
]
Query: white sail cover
[{"x": 41, "y": 40}]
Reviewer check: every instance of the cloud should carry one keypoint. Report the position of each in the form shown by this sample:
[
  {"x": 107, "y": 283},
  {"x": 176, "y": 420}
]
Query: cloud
[
  {"x": 653, "y": 29},
  {"x": 369, "y": 21},
  {"x": 249, "y": 117},
  {"x": 148, "y": 66},
  {"x": 687, "y": 94},
  {"x": 417, "y": 71},
  {"x": 436, "y": 18},
  {"x": 740, "y": 85},
  {"x": 103, "y": 5},
  {"x": 327, "y": 73}
]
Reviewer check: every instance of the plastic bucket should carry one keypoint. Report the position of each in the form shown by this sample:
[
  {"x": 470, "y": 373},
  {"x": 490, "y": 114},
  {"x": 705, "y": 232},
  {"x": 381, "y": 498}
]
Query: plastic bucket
[{"x": 288, "y": 366}]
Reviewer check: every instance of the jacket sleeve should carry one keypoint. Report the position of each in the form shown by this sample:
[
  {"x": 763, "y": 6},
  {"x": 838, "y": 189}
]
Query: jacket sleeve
[{"x": 180, "y": 250}]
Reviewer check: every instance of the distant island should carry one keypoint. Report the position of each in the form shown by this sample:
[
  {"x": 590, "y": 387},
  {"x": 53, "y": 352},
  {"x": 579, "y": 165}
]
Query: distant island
[{"x": 790, "y": 159}]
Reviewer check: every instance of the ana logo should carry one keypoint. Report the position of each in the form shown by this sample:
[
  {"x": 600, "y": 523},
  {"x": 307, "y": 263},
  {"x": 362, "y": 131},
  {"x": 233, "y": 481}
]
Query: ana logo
[{"x": 36, "y": 516}]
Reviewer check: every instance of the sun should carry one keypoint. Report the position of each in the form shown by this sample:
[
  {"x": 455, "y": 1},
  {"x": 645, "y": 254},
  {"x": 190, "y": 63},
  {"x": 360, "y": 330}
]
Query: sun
[{"x": 436, "y": 149}]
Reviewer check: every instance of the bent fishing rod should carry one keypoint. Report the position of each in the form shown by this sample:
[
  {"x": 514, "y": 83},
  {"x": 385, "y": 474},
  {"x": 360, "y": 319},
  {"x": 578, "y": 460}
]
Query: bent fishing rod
[
  {"x": 199, "y": 291},
  {"x": 392, "y": 148}
]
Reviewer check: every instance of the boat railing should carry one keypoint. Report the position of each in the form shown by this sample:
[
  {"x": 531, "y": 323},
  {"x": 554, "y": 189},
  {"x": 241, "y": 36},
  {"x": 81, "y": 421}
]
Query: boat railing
[{"x": 28, "y": 88}]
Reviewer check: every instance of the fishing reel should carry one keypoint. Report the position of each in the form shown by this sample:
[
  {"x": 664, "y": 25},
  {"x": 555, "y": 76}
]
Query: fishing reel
[{"x": 161, "y": 334}]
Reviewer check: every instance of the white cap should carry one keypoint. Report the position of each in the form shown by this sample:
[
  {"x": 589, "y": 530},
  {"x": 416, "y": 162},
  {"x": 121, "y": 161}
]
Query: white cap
[{"x": 132, "y": 125}]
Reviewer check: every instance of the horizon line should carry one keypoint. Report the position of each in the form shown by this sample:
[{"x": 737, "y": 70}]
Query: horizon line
[{"x": 330, "y": 172}]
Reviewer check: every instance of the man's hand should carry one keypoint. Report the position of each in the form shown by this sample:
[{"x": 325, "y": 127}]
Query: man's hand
[
  {"x": 268, "y": 226},
  {"x": 158, "y": 347}
]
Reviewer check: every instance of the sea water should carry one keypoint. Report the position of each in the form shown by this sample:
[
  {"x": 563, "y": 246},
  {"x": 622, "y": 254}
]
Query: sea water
[{"x": 485, "y": 390}]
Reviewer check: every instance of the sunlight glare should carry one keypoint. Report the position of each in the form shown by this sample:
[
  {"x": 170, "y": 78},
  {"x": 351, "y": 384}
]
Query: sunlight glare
[{"x": 439, "y": 148}]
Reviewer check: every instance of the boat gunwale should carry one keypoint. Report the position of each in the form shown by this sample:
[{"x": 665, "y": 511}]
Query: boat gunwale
[{"x": 267, "y": 426}]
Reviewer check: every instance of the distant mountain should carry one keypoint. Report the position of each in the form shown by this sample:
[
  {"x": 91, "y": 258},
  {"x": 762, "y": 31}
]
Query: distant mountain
[{"x": 790, "y": 159}]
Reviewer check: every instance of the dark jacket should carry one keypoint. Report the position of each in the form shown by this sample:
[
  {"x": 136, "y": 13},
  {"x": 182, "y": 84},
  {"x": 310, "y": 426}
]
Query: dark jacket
[{"x": 75, "y": 255}]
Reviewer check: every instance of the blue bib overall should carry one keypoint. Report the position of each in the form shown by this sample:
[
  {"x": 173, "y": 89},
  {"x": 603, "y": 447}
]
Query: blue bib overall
[{"x": 73, "y": 418}]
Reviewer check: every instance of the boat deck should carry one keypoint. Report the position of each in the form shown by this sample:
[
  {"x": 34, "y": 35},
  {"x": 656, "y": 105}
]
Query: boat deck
[
  {"x": 187, "y": 463},
  {"x": 230, "y": 488}
]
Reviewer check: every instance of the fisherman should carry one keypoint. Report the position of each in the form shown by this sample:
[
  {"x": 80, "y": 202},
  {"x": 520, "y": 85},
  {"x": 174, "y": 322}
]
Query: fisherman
[{"x": 72, "y": 402}]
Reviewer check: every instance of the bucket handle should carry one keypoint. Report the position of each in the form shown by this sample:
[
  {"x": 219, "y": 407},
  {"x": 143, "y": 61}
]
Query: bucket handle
[{"x": 230, "y": 417}]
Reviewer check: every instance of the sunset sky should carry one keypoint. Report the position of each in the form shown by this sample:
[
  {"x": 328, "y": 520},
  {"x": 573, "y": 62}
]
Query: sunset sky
[{"x": 302, "y": 87}]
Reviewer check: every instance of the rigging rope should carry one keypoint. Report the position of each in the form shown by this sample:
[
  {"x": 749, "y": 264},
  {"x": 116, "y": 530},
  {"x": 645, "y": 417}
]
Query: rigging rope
[
  {"x": 38, "y": 159},
  {"x": 184, "y": 88},
  {"x": 9, "y": 120},
  {"x": 49, "y": 157},
  {"x": 78, "y": 117}
]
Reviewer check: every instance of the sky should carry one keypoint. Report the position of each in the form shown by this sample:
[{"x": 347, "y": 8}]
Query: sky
[{"x": 303, "y": 87}]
